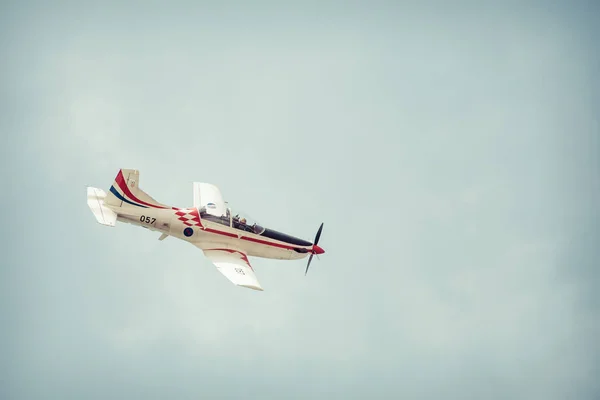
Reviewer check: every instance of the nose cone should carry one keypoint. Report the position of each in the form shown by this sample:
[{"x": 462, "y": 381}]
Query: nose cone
[{"x": 318, "y": 250}]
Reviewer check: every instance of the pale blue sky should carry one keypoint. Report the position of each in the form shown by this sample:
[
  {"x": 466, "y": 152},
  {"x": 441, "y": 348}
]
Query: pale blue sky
[{"x": 452, "y": 153}]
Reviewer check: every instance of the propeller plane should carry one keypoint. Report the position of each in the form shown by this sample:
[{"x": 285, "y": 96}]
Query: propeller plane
[{"x": 227, "y": 240}]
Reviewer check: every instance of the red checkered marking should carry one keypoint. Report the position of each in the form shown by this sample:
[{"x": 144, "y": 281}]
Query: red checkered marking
[{"x": 189, "y": 216}]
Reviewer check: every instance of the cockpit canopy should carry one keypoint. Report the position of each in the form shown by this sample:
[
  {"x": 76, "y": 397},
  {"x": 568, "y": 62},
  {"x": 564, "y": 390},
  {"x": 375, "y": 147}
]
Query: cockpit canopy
[
  {"x": 238, "y": 220},
  {"x": 241, "y": 220},
  {"x": 211, "y": 207}
]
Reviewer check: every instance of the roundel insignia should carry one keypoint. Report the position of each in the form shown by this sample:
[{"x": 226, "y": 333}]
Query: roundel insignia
[{"x": 188, "y": 231}]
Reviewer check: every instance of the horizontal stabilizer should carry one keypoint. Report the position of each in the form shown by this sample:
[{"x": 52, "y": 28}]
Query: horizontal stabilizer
[{"x": 95, "y": 200}]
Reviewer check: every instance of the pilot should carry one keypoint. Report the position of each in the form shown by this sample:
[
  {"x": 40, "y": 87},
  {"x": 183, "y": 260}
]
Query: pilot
[{"x": 243, "y": 220}]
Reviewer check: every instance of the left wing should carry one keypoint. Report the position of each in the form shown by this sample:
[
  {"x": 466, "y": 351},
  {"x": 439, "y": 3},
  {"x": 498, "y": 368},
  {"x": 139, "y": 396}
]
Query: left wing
[{"x": 235, "y": 266}]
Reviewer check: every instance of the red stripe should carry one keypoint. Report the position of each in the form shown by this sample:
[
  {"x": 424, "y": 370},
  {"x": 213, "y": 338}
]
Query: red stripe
[
  {"x": 250, "y": 239},
  {"x": 283, "y": 246},
  {"x": 121, "y": 182},
  {"x": 244, "y": 256},
  {"x": 221, "y": 232}
]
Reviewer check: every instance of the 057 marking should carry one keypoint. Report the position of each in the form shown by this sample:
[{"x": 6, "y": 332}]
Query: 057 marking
[{"x": 147, "y": 219}]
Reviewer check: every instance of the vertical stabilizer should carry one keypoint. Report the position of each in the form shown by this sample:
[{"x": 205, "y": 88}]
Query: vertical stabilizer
[{"x": 125, "y": 192}]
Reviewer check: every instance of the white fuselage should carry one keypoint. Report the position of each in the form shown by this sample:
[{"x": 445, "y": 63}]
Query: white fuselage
[{"x": 208, "y": 234}]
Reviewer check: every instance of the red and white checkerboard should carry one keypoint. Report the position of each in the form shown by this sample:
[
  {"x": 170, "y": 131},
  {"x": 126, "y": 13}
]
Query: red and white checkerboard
[{"x": 189, "y": 216}]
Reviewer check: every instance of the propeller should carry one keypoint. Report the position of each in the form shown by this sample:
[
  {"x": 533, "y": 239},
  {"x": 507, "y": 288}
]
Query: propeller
[{"x": 316, "y": 249}]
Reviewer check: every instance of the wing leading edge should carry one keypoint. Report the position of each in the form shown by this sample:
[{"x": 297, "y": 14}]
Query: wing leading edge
[{"x": 235, "y": 266}]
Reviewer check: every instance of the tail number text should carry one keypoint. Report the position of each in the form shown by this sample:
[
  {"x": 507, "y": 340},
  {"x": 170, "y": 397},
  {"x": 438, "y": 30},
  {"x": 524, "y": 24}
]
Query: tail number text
[{"x": 147, "y": 219}]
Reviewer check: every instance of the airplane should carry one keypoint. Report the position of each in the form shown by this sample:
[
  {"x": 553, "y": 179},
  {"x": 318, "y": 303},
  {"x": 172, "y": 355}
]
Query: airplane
[{"x": 226, "y": 240}]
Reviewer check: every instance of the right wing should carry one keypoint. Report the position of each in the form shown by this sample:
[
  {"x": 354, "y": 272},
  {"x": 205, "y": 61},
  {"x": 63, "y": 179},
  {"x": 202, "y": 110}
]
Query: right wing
[
  {"x": 209, "y": 196},
  {"x": 235, "y": 266}
]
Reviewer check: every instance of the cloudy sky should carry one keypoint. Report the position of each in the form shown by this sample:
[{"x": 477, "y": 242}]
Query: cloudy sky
[{"x": 452, "y": 153}]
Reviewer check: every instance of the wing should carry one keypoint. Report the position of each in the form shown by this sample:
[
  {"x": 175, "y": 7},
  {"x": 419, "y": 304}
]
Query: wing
[
  {"x": 209, "y": 196},
  {"x": 235, "y": 266}
]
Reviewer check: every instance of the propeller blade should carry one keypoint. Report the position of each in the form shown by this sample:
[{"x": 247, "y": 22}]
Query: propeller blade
[
  {"x": 318, "y": 234},
  {"x": 313, "y": 251},
  {"x": 308, "y": 265}
]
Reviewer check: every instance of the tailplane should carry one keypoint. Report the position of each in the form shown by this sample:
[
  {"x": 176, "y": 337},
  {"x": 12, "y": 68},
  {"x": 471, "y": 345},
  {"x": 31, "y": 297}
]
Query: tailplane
[
  {"x": 125, "y": 192},
  {"x": 103, "y": 214}
]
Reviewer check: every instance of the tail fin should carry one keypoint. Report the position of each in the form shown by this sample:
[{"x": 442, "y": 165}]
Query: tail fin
[{"x": 125, "y": 192}]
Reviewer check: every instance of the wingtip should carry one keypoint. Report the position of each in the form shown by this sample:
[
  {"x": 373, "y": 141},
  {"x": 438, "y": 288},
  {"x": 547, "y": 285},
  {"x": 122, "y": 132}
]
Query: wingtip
[{"x": 253, "y": 287}]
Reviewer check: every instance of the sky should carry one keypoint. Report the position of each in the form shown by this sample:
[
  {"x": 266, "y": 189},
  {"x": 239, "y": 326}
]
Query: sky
[{"x": 451, "y": 151}]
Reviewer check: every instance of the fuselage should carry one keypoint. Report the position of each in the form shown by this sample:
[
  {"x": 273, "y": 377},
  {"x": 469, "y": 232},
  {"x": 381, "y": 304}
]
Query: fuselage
[{"x": 210, "y": 232}]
